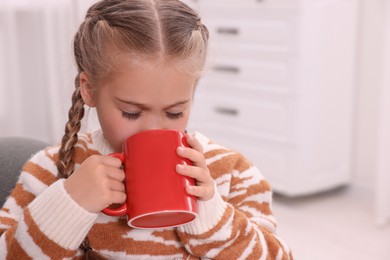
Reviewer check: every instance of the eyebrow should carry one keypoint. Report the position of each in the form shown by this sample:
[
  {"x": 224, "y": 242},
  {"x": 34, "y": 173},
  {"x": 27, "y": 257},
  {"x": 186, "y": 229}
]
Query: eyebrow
[{"x": 145, "y": 107}]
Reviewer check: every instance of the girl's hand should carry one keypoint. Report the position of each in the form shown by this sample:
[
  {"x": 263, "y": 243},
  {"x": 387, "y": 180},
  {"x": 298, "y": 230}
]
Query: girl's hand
[
  {"x": 204, "y": 188},
  {"x": 97, "y": 183}
]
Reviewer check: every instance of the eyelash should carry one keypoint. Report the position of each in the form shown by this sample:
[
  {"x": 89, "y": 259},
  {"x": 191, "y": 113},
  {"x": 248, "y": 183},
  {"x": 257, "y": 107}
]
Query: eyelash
[
  {"x": 131, "y": 116},
  {"x": 135, "y": 116},
  {"x": 174, "y": 115}
]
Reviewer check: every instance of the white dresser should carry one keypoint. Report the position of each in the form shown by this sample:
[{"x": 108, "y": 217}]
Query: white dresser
[{"x": 279, "y": 87}]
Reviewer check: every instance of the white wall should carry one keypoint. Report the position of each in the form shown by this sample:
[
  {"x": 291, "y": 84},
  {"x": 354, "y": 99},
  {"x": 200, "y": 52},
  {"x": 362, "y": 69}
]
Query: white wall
[
  {"x": 369, "y": 80},
  {"x": 37, "y": 67}
]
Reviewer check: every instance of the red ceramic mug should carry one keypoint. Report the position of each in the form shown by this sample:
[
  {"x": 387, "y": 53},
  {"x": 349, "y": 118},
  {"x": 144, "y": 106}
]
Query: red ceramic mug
[{"x": 156, "y": 195}]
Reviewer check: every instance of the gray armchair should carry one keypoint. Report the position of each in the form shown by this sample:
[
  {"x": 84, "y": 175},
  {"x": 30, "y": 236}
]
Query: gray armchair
[{"x": 14, "y": 152}]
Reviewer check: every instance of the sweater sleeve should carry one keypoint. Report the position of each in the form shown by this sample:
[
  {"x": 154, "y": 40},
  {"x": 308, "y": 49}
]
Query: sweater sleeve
[
  {"x": 237, "y": 223},
  {"x": 40, "y": 220}
]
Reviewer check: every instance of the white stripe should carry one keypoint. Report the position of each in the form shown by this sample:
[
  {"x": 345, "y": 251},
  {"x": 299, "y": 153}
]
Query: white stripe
[
  {"x": 263, "y": 245},
  {"x": 45, "y": 162},
  {"x": 217, "y": 157},
  {"x": 14, "y": 209},
  {"x": 260, "y": 197},
  {"x": 122, "y": 255},
  {"x": 279, "y": 256},
  {"x": 265, "y": 222},
  {"x": 251, "y": 175},
  {"x": 223, "y": 184},
  {"x": 3, "y": 248},
  {"x": 31, "y": 184},
  {"x": 147, "y": 235},
  {"x": 249, "y": 249},
  {"x": 215, "y": 251},
  {"x": 27, "y": 243},
  {"x": 284, "y": 245}
]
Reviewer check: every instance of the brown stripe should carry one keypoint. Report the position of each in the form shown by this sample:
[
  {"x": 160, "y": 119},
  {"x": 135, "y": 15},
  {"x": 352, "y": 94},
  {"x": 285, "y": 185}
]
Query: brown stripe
[
  {"x": 48, "y": 246},
  {"x": 80, "y": 154},
  {"x": 215, "y": 152},
  {"x": 222, "y": 166},
  {"x": 205, "y": 247},
  {"x": 272, "y": 243},
  {"x": 112, "y": 236},
  {"x": 52, "y": 157},
  {"x": 257, "y": 250},
  {"x": 8, "y": 221},
  {"x": 241, "y": 239},
  {"x": 40, "y": 173},
  {"x": 238, "y": 181},
  {"x": 6, "y": 210},
  {"x": 21, "y": 196},
  {"x": 254, "y": 189},
  {"x": 264, "y": 207},
  {"x": 14, "y": 250},
  {"x": 242, "y": 164},
  {"x": 166, "y": 235}
]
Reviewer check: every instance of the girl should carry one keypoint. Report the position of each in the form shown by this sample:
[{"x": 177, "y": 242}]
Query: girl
[{"x": 138, "y": 64}]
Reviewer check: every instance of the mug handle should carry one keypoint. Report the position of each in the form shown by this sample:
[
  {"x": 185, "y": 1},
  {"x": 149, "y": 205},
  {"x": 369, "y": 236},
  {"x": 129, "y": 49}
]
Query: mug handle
[{"x": 122, "y": 209}]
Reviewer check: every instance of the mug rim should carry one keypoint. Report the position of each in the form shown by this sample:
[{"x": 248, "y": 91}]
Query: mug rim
[
  {"x": 156, "y": 131},
  {"x": 195, "y": 215}
]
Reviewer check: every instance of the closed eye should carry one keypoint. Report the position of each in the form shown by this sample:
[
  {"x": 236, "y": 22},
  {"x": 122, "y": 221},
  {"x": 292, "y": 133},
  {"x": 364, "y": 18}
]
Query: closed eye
[
  {"x": 131, "y": 116},
  {"x": 174, "y": 115}
]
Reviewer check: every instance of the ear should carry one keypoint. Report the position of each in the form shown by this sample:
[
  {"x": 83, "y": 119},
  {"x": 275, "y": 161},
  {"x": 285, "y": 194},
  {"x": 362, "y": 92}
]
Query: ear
[{"x": 86, "y": 90}]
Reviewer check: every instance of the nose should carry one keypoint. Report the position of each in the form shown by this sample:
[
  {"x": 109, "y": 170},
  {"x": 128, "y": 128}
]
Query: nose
[{"x": 153, "y": 122}]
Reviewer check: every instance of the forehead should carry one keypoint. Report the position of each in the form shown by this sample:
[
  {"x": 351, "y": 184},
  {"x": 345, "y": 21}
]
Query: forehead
[
  {"x": 145, "y": 68},
  {"x": 151, "y": 81},
  {"x": 116, "y": 60}
]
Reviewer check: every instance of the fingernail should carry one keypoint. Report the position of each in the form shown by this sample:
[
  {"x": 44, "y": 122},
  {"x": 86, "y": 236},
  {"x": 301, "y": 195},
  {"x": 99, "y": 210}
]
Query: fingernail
[
  {"x": 180, "y": 150},
  {"x": 179, "y": 168}
]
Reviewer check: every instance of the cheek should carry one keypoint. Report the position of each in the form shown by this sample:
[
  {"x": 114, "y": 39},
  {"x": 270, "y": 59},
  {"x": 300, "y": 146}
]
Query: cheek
[
  {"x": 113, "y": 128},
  {"x": 181, "y": 124}
]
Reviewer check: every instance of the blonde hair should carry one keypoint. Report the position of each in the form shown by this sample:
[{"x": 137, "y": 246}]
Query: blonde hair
[{"x": 165, "y": 29}]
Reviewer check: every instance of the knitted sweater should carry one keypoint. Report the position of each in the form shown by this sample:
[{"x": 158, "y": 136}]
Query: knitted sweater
[{"x": 41, "y": 221}]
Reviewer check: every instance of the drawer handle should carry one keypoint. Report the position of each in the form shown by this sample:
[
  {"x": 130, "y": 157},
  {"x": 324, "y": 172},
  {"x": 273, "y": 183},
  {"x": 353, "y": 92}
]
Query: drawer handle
[
  {"x": 227, "y": 111},
  {"x": 229, "y": 69},
  {"x": 228, "y": 30}
]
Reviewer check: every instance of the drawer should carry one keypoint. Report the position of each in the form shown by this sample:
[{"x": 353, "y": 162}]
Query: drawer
[
  {"x": 266, "y": 34},
  {"x": 267, "y": 119},
  {"x": 268, "y": 156},
  {"x": 269, "y": 77}
]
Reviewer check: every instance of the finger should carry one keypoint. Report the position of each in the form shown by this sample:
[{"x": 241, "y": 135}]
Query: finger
[
  {"x": 194, "y": 143},
  {"x": 117, "y": 197},
  {"x": 117, "y": 186},
  {"x": 203, "y": 193},
  {"x": 116, "y": 173},
  {"x": 194, "y": 172},
  {"x": 193, "y": 155},
  {"x": 111, "y": 161}
]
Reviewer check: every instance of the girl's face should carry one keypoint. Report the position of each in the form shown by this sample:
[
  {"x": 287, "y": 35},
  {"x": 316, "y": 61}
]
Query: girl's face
[{"x": 141, "y": 96}]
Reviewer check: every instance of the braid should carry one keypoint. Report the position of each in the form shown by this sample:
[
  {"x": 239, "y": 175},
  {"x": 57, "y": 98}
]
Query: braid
[
  {"x": 65, "y": 163},
  {"x": 90, "y": 254}
]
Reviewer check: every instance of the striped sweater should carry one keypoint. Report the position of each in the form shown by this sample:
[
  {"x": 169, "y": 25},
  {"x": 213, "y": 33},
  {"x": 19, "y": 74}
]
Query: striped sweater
[{"x": 40, "y": 220}]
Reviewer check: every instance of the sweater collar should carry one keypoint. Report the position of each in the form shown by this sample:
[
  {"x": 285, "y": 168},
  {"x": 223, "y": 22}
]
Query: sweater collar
[{"x": 100, "y": 143}]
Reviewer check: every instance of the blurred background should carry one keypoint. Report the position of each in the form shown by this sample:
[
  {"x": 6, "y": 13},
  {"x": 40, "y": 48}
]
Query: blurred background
[{"x": 301, "y": 87}]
